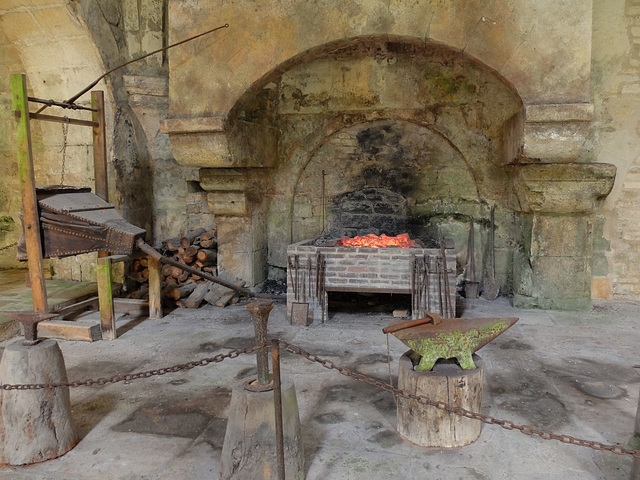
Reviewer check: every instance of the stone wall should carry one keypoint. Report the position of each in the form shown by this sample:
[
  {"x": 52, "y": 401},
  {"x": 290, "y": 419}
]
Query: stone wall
[
  {"x": 575, "y": 65},
  {"x": 616, "y": 140}
]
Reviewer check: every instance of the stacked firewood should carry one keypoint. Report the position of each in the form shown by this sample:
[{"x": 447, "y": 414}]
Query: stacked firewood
[{"x": 198, "y": 250}]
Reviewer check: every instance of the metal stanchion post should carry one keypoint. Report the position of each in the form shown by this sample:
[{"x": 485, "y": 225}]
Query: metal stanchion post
[{"x": 277, "y": 405}]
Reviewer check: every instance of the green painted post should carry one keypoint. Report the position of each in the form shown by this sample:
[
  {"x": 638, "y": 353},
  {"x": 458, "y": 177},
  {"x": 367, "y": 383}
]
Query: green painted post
[
  {"x": 105, "y": 299},
  {"x": 30, "y": 214}
]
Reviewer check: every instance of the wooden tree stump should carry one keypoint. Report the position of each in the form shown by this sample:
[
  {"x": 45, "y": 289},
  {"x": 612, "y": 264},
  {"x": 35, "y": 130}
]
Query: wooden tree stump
[
  {"x": 428, "y": 426},
  {"x": 35, "y": 425}
]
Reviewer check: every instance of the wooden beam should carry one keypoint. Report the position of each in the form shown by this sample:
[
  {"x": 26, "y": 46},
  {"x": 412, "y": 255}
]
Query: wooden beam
[
  {"x": 69, "y": 330},
  {"x": 31, "y": 217},
  {"x": 53, "y": 118}
]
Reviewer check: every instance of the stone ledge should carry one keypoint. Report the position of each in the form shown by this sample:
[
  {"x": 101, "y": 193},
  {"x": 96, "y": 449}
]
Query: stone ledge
[
  {"x": 193, "y": 125},
  {"x": 559, "y": 112},
  {"x": 563, "y": 188}
]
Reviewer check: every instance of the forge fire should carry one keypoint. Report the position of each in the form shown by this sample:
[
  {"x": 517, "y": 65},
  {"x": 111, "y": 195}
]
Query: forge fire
[{"x": 378, "y": 241}]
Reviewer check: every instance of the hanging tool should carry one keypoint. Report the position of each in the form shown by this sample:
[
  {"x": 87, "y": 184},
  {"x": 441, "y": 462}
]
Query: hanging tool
[
  {"x": 491, "y": 283},
  {"x": 470, "y": 284}
]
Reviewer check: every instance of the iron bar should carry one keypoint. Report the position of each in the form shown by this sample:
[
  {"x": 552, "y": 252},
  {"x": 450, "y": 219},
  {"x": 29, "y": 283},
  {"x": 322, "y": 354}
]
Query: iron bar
[
  {"x": 53, "y": 103},
  {"x": 277, "y": 405},
  {"x": 93, "y": 84}
]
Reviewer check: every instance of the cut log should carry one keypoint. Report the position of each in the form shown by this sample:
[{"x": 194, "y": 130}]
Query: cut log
[
  {"x": 178, "y": 292},
  {"x": 171, "y": 245},
  {"x": 208, "y": 239},
  {"x": 191, "y": 251},
  {"x": 227, "y": 297},
  {"x": 184, "y": 276},
  {"x": 212, "y": 297},
  {"x": 197, "y": 296},
  {"x": 188, "y": 239},
  {"x": 207, "y": 256},
  {"x": 166, "y": 269},
  {"x": 176, "y": 272}
]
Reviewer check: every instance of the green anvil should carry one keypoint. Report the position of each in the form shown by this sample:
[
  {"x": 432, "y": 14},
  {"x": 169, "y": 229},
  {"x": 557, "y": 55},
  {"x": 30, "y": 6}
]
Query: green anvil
[{"x": 433, "y": 338}]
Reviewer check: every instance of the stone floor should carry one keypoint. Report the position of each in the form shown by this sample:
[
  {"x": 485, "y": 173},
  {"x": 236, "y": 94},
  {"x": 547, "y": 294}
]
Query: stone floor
[{"x": 568, "y": 372}]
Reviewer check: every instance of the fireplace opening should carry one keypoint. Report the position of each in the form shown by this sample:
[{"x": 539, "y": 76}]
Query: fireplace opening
[{"x": 369, "y": 303}]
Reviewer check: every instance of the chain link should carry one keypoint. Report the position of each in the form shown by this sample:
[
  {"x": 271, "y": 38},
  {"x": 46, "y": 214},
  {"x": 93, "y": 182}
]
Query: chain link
[
  {"x": 488, "y": 419},
  {"x": 7, "y": 247},
  {"x": 134, "y": 376}
]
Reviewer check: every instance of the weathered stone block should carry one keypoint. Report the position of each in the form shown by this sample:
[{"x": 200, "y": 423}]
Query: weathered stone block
[
  {"x": 561, "y": 236},
  {"x": 223, "y": 179},
  {"x": 562, "y": 277},
  {"x": 228, "y": 203}
]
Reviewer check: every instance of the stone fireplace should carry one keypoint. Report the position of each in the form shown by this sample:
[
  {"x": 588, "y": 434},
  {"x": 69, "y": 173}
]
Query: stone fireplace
[{"x": 443, "y": 110}]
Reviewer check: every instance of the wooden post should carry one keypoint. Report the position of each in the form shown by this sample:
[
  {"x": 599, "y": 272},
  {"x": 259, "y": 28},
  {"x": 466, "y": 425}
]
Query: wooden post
[
  {"x": 99, "y": 146},
  {"x": 105, "y": 296},
  {"x": 30, "y": 214},
  {"x": 155, "y": 287},
  {"x": 100, "y": 151}
]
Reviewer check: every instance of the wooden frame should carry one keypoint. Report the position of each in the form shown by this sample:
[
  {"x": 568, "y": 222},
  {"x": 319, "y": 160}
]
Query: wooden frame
[{"x": 31, "y": 219}]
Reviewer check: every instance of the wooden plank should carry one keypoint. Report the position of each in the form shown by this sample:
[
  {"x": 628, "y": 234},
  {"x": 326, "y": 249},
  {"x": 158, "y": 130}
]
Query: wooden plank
[
  {"x": 132, "y": 306},
  {"x": 76, "y": 309},
  {"x": 69, "y": 330},
  {"x": 155, "y": 288},
  {"x": 28, "y": 187}
]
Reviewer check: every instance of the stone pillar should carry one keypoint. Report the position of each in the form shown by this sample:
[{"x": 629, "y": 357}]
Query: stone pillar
[
  {"x": 557, "y": 202},
  {"x": 234, "y": 160}
]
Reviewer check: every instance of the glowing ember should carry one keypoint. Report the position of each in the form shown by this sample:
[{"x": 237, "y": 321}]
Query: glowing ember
[{"x": 375, "y": 241}]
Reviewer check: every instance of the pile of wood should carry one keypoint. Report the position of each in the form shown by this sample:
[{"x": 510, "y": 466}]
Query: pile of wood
[{"x": 197, "y": 249}]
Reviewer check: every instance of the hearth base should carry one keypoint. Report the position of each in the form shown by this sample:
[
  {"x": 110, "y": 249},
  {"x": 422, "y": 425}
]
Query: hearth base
[{"x": 313, "y": 271}]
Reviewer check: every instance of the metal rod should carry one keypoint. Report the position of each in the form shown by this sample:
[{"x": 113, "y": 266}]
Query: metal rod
[
  {"x": 93, "y": 84},
  {"x": 277, "y": 405},
  {"x": 53, "y": 103}
]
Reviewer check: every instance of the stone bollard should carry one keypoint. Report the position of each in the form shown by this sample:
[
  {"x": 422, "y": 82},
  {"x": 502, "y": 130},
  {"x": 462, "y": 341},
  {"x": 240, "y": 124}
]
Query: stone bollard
[
  {"x": 250, "y": 448},
  {"x": 36, "y": 424}
]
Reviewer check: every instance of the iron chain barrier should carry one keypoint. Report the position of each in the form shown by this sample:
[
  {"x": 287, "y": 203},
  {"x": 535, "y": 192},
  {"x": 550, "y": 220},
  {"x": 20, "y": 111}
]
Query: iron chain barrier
[
  {"x": 7, "y": 247},
  {"x": 135, "y": 376},
  {"x": 328, "y": 364}
]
